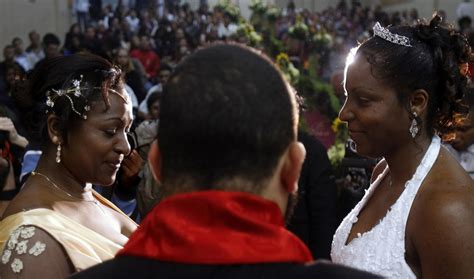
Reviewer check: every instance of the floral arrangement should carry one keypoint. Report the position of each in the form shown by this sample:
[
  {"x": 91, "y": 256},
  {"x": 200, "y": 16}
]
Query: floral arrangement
[
  {"x": 322, "y": 39},
  {"x": 299, "y": 30},
  {"x": 289, "y": 71},
  {"x": 227, "y": 7},
  {"x": 257, "y": 7},
  {"x": 337, "y": 151},
  {"x": 247, "y": 32},
  {"x": 273, "y": 13}
]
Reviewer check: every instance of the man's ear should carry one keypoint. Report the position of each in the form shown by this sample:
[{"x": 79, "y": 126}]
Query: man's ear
[
  {"x": 54, "y": 131},
  {"x": 154, "y": 157},
  {"x": 293, "y": 162}
]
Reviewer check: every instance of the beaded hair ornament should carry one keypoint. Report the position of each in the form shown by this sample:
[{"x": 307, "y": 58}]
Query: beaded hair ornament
[
  {"x": 53, "y": 94},
  {"x": 385, "y": 34}
]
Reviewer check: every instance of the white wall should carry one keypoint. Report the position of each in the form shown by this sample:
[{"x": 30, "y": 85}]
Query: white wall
[{"x": 18, "y": 17}]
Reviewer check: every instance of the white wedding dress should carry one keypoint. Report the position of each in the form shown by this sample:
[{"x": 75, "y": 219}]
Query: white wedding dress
[{"x": 381, "y": 250}]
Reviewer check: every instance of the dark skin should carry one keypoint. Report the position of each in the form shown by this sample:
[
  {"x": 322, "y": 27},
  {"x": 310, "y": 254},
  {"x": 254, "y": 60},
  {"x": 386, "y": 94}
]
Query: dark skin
[
  {"x": 440, "y": 225},
  {"x": 91, "y": 154}
]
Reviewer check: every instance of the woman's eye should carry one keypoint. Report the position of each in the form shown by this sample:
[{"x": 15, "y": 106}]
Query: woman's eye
[
  {"x": 364, "y": 101},
  {"x": 111, "y": 132}
]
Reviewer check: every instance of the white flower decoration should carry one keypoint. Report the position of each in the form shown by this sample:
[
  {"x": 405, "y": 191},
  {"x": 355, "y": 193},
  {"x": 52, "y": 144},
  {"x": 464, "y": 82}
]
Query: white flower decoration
[
  {"x": 17, "y": 265},
  {"x": 37, "y": 249},
  {"x": 16, "y": 233},
  {"x": 27, "y": 232},
  {"x": 49, "y": 102},
  {"x": 12, "y": 243},
  {"x": 22, "y": 247},
  {"x": 6, "y": 256}
]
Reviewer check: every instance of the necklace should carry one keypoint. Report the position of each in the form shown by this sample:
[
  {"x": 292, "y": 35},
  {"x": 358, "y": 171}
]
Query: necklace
[
  {"x": 61, "y": 189},
  {"x": 94, "y": 201}
]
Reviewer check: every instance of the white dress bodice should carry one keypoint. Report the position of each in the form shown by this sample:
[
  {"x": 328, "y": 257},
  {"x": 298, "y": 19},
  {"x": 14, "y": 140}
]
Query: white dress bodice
[{"x": 381, "y": 250}]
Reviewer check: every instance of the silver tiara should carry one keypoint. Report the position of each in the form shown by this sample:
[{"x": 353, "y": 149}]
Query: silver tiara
[{"x": 385, "y": 34}]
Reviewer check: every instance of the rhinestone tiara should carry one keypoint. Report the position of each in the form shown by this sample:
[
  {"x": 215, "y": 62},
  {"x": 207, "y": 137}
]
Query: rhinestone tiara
[{"x": 385, "y": 34}]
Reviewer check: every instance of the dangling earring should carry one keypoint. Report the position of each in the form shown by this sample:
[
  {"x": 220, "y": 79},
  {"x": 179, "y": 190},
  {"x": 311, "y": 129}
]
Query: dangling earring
[
  {"x": 414, "y": 126},
  {"x": 58, "y": 154}
]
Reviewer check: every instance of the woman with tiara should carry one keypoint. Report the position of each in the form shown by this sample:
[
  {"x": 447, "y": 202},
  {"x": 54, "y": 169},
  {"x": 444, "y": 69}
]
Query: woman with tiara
[{"x": 404, "y": 90}]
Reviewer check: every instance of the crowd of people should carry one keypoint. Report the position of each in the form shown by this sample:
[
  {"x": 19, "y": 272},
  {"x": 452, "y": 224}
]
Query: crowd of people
[{"x": 192, "y": 162}]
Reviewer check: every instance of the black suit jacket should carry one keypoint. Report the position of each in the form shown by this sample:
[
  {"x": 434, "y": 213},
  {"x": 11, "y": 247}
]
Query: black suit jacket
[
  {"x": 315, "y": 217},
  {"x": 127, "y": 267}
]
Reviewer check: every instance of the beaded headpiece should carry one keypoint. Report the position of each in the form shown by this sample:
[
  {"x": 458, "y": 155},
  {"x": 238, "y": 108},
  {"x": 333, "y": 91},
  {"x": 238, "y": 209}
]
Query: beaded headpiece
[
  {"x": 385, "y": 34},
  {"x": 53, "y": 94}
]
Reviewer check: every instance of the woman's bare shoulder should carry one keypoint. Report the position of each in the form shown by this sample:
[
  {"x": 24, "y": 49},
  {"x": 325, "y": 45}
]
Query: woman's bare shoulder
[
  {"x": 443, "y": 221},
  {"x": 29, "y": 250},
  {"x": 30, "y": 197}
]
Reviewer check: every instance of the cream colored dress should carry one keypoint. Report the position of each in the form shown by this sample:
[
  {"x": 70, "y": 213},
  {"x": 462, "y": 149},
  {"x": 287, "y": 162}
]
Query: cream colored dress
[{"x": 84, "y": 246}]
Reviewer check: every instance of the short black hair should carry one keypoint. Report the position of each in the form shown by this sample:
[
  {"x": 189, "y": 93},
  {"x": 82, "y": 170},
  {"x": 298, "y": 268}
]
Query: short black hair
[
  {"x": 51, "y": 39},
  {"x": 154, "y": 96},
  {"x": 222, "y": 119}
]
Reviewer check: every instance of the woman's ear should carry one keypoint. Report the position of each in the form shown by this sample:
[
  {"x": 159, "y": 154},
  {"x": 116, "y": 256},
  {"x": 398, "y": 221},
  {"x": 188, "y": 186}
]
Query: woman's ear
[
  {"x": 419, "y": 101},
  {"x": 54, "y": 131}
]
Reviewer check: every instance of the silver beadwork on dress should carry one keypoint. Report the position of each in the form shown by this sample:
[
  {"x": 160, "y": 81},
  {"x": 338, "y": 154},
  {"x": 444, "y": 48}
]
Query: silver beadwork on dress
[
  {"x": 385, "y": 34},
  {"x": 381, "y": 250}
]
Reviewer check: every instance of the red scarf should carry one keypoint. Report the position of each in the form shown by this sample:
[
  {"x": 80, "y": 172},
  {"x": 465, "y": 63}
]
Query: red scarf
[{"x": 216, "y": 227}]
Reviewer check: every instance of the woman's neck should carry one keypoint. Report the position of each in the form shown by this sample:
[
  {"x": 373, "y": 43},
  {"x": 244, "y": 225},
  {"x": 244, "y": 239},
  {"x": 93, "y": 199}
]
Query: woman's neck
[
  {"x": 403, "y": 161},
  {"x": 62, "y": 180}
]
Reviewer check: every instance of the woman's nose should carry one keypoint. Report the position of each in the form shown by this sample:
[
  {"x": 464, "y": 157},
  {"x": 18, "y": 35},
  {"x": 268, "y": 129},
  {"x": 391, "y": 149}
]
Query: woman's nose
[
  {"x": 345, "y": 114},
  {"x": 123, "y": 146}
]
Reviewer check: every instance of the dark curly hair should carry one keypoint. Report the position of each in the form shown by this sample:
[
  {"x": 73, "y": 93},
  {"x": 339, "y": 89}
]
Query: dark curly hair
[
  {"x": 98, "y": 76},
  {"x": 432, "y": 63}
]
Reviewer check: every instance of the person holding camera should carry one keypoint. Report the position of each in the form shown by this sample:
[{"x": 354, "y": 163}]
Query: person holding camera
[{"x": 11, "y": 146}]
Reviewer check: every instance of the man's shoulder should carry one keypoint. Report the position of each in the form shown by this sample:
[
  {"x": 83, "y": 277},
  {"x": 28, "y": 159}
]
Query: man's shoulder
[{"x": 124, "y": 266}]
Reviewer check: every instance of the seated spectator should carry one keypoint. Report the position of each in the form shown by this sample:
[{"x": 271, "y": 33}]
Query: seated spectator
[
  {"x": 74, "y": 40},
  {"x": 80, "y": 115},
  {"x": 229, "y": 162},
  {"x": 51, "y": 47},
  {"x": 165, "y": 72},
  {"x": 92, "y": 44},
  {"x": 8, "y": 62},
  {"x": 148, "y": 58},
  {"x": 34, "y": 50},
  {"x": 132, "y": 20},
  {"x": 12, "y": 147},
  {"x": 21, "y": 57},
  {"x": 132, "y": 75}
]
